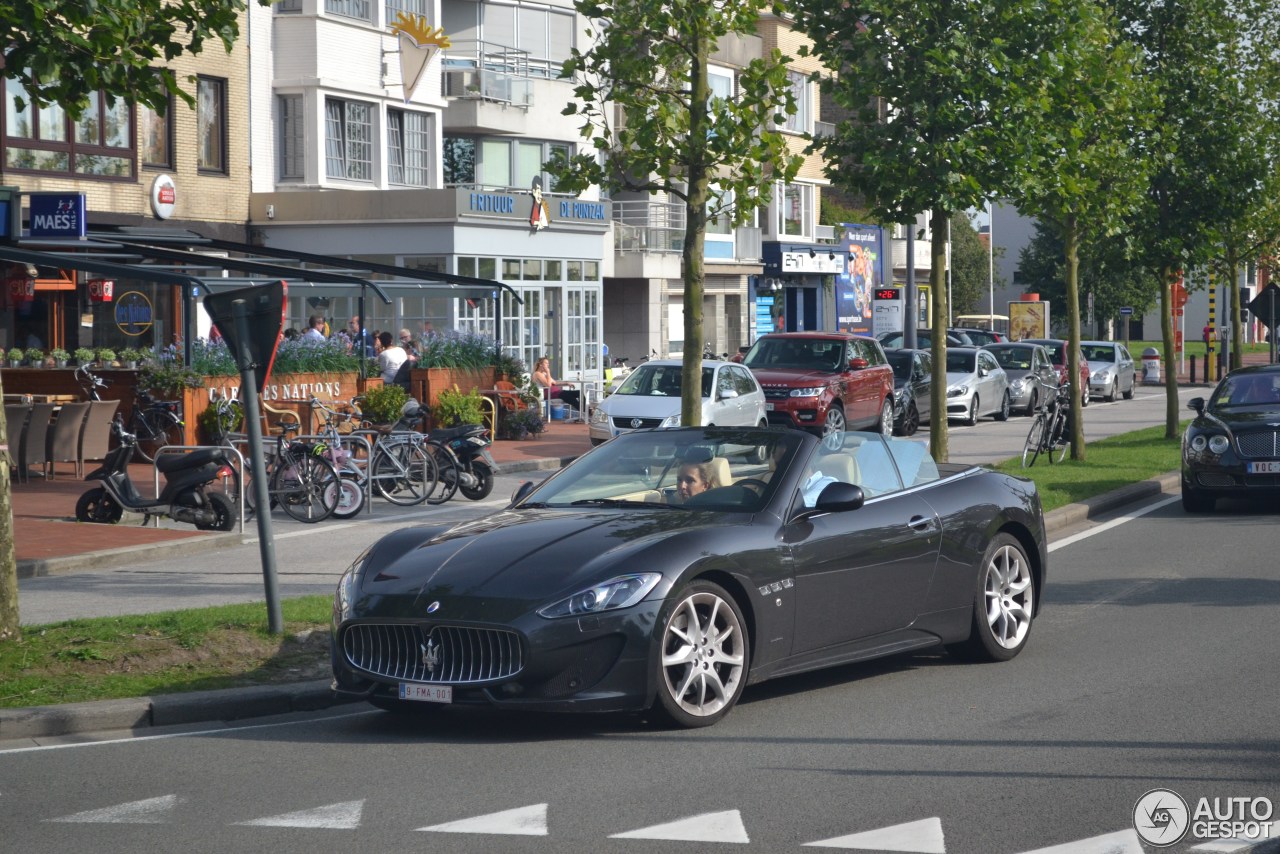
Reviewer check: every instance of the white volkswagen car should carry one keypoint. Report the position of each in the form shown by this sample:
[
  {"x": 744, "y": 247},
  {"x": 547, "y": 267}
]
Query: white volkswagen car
[{"x": 650, "y": 397}]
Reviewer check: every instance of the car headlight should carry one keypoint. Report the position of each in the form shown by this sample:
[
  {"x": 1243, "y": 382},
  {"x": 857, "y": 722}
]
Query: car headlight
[
  {"x": 806, "y": 392},
  {"x": 599, "y": 416},
  {"x": 1199, "y": 443},
  {"x": 1101, "y": 375},
  {"x": 1218, "y": 444},
  {"x": 621, "y": 592},
  {"x": 1016, "y": 385},
  {"x": 344, "y": 596},
  {"x": 670, "y": 421},
  {"x": 957, "y": 391}
]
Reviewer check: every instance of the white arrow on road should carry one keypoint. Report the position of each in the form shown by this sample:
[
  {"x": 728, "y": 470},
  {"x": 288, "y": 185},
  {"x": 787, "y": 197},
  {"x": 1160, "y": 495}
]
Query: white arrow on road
[
  {"x": 522, "y": 821},
  {"x": 708, "y": 827},
  {"x": 1123, "y": 842},
  {"x": 920, "y": 837},
  {"x": 149, "y": 811},
  {"x": 343, "y": 816}
]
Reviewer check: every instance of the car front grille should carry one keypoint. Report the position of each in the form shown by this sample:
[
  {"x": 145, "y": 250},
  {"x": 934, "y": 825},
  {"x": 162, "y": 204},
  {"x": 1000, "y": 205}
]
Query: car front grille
[
  {"x": 626, "y": 422},
  {"x": 445, "y": 654},
  {"x": 1264, "y": 444},
  {"x": 1216, "y": 480},
  {"x": 776, "y": 393}
]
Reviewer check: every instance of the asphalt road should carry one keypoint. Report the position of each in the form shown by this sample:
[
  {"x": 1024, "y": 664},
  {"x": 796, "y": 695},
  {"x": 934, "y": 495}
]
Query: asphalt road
[
  {"x": 1152, "y": 666},
  {"x": 311, "y": 557}
]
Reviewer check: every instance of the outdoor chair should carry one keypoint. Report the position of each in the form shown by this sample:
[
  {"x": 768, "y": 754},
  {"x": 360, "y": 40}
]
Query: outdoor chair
[
  {"x": 95, "y": 437},
  {"x": 15, "y": 420},
  {"x": 64, "y": 439},
  {"x": 34, "y": 442}
]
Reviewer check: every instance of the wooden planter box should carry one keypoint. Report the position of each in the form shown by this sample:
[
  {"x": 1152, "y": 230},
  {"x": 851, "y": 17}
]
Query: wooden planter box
[
  {"x": 425, "y": 384},
  {"x": 285, "y": 391}
]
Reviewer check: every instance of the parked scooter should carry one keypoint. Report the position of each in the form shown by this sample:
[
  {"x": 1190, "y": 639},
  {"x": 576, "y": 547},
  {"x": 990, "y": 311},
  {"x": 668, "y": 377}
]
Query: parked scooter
[
  {"x": 186, "y": 496},
  {"x": 470, "y": 445}
]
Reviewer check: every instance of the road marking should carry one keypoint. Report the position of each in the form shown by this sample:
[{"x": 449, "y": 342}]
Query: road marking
[
  {"x": 921, "y": 837},
  {"x": 343, "y": 816},
  {"x": 149, "y": 811},
  {"x": 1107, "y": 526},
  {"x": 708, "y": 827},
  {"x": 1123, "y": 842},
  {"x": 522, "y": 821},
  {"x": 1241, "y": 844}
]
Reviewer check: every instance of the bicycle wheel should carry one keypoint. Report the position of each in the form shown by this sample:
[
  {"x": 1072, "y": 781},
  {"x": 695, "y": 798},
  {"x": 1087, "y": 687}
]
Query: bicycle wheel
[
  {"x": 1059, "y": 440},
  {"x": 449, "y": 474},
  {"x": 155, "y": 428},
  {"x": 404, "y": 473},
  {"x": 301, "y": 484},
  {"x": 1035, "y": 440}
]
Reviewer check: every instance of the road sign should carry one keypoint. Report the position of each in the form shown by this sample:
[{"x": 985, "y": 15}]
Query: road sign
[
  {"x": 1126, "y": 310},
  {"x": 1179, "y": 294},
  {"x": 1266, "y": 305},
  {"x": 263, "y": 308}
]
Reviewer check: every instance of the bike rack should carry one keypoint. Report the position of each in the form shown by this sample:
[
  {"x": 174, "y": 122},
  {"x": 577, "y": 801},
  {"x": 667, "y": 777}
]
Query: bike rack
[
  {"x": 175, "y": 449},
  {"x": 368, "y": 447}
]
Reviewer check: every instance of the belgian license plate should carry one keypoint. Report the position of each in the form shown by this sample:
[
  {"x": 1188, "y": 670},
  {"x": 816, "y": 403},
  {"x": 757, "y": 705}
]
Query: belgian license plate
[
  {"x": 768, "y": 407},
  {"x": 426, "y": 693},
  {"x": 1264, "y": 468}
]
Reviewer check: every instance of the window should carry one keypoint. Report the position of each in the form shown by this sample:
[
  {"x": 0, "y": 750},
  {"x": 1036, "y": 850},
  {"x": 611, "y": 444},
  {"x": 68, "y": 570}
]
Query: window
[
  {"x": 156, "y": 133},
  {"x": 44, "y": 139},
  {"x": 795, "y": 209},
  {"x": 361, "y": 10},
  {"x": 495, "y": 163},
  {"x": 211, "y": 124},
  {"x": 459, "y": 161},
  {"x": 408, "y": 148},
  {"x": 798, "y": 122},
  {"x": 721, "y": 82},
  {"x": 409, "y": 7},
  {"x": 545, "y": 34},
  {"x": 290, "y": 124},
  {"x": 502, "y": 163},
  {"x": 348, "y": 139}
]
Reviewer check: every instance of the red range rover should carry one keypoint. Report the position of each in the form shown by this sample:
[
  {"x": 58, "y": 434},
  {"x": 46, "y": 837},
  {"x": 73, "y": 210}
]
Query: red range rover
[{"x": 825, "y": 382}]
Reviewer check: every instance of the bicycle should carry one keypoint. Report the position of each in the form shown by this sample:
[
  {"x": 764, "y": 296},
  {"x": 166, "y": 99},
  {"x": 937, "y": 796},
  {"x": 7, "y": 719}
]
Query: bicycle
[
  {"x": 299, "y": 479},
  {"x": 402, "y": 469},
  {"x": 1048, "y": 433},
  {"x": 154, "y": 422}
]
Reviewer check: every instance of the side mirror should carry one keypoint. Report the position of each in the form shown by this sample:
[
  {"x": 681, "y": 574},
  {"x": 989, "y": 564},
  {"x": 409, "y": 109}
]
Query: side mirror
[
  {"x": 728, "y": 394},
  {"x": 982, "y": 372},
  {"x": 522, "y": 492},
  {"x": 1196, "y": 403},
  {"x": 835, "y": 498},
  {"x": 857, "y": 364}
]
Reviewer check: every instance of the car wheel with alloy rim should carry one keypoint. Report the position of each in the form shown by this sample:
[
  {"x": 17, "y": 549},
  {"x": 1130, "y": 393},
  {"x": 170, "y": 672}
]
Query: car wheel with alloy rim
[
  {"x": 1110, "y": 396},
  {"x": 702, "y": 657},
  {"x": 834, "y": 422},
  {"x": 972, "y": 418},
  {"x": 1005, "y": 408},
  {"x": 910, "y": 420},
  {"x": 1003, "y": 605},
  {"x": 885, "y": 425}
]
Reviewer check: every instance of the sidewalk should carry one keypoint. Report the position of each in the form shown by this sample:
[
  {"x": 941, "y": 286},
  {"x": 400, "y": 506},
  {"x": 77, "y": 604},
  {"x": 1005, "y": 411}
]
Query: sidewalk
[{"x": 48, "y": 540}]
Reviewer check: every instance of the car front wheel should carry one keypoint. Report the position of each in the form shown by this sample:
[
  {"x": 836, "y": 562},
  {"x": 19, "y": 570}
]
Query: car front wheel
[
  {"x": 1003, "y": 605},
  {"x": 702, "y": 658},
  {"x": 834, "y": 422},
  {"x": 885, "y": 425},
  {"x": 910, "y": 419},
  {"x": 1005, "y": 408}
]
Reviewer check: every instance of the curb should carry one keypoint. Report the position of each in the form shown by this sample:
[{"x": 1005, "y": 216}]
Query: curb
[
  {"x": 541, "y": 464},
  {"x": 231, "y": 704},
  {"x": 123, "y": 556}
]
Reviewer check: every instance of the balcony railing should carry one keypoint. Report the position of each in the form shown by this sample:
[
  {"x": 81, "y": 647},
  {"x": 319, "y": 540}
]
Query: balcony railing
[
  {"x": 641, "y": 226},
  {"x": 483, "y": 71},
  {"x": 824, "y": 129}
]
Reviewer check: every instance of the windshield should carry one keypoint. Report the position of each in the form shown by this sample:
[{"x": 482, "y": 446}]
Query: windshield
[
  {"x": 812, "y": 354},
  {"x": 1248, "y": 390},
  {"x": 661, "y": 381},
  {"x": 1012, "y": 358},
  {"x": 960, "y": 363},
  {"x": 733, "y": 470},
  {"x": 1099, "y": 354},
  {"x": 901, "y": 363}
]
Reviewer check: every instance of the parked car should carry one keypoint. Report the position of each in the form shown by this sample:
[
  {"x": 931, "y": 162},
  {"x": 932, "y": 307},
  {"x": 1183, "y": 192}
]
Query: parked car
[
  {"x": 1057, "y": 350},
  {"x": 1232, "y": 447},
  {"x": 912, "y": 380},
  {"x": 976, "y": 385},
  {"x": 826, "y": 382},
  {"x": 650, "y": 397},
  {"x": 1032, "y": 376},
  {"x": 1111, "y": 369},
  {"x": 620, "y": 583},
  {"x": 979, "y": 337},
  {"x": 924, "y": 338}
]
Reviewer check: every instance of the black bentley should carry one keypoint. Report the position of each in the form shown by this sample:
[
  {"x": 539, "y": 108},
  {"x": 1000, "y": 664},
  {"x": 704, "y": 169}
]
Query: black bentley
[
  {"x": 669, "y": 569},
  {"x": 1232, "y": 447}
]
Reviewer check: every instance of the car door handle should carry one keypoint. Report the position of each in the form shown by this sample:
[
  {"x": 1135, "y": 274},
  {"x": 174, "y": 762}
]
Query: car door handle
[{"x": 921, "y": 524}]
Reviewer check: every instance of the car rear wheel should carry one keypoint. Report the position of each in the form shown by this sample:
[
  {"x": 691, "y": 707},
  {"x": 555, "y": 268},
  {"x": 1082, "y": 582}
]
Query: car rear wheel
[
  {"x": 1003, "y": 605},
  {"x": 1195, "y": 501},
  {"x": 910, "y": 420},
  {"x": 702, "y": 658},
  {"x": 1110, "y": 396},
  {"x": 971, "y": 417},
  {"x": 1084, "y": 396},
  {"x": 885, "y": 425},
  {"x": 834, "y": 422},
  {"x": 1005, "y": 408},
  {"x": 1128, "y": 395}
]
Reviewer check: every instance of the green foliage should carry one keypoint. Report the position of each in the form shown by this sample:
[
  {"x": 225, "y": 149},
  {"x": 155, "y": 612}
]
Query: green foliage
[
  {"x": 168, "y": 378},
  {"x": 15, "y": 355},
  {"x": 59, "y": 354},
  {"x": 35, "y": 357},
  {"x": 106, "y": 355},
  {"x": 970, "y": 269},
  {"x": 466, "y": 351},
  {"x": 510, "y": 366},
  {"x": 382, "y": 404},
  {"x": 84, "y": 355},
  {"x": 453, "y": 408},
  {"x": 62, "y": 52},
  {"x": 518, "y": 423},
  {"x": 215, "y": 425},
  {"x": 131, "y": 354}
]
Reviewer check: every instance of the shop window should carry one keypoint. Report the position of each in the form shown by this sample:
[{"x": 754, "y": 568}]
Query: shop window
[
  {"x": 511, "y": 269},
  {"x": 408, "y": 148},
  {"x": 348, "y": 137},
  {"x": 156, "y": 133},
  {"x": 591, "y": 271},
  {"x": 211, "y": 124},
  {"x": 532, "y": 270},
  {"x": 290, "y": 124},
  {"x": 466, "y": 267},
  {"x": 100, "y": 144},
  {"x": 575, "y": 271}
]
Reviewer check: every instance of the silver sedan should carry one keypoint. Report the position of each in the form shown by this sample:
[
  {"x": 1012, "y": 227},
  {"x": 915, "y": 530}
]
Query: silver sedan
[
  {"x": 1111, "y": 369},
  {"x": 976, "y": 385}
]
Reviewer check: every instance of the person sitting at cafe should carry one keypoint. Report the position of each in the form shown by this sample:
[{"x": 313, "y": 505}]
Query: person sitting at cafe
[
  {"x": 543, "y": 379},
  {"x": 390, "y": 358}
]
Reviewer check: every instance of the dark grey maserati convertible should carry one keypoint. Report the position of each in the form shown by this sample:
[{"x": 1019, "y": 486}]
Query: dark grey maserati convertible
[{"x": 669, "y": 569}]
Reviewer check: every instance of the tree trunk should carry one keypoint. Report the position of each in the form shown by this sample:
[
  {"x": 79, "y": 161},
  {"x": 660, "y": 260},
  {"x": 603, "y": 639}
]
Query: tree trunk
[
  {"x": 9, "y": 629},
  {"x": 1234, "y": 314},
  {"x": 695, "y": 232},
  {"x": 1071, "y": 241},
  {"x": 939, "y": 324},
  {"x": 1170, "y": 375}
]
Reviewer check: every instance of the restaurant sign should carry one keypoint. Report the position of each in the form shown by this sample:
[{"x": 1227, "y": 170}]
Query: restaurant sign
[
  {"x": 134, "y": 314},
  {"x": 57, "y": 214},
  {"x": 298, "y": 388}
]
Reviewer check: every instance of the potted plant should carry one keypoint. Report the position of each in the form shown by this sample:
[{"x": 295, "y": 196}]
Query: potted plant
[
  {"x": 59, "y": 357},
  {"x": 521, "y": 424},
  {"x": 382, "y": 405},
  {"x": 453, "y": 408},
  {"x": 106, "y": 357},
  {"x": 35, "y": 358},
  {"x": 15, "y": 357},
  {"x": 130, "y": 357},
  {"x": 84, "y": 356}
]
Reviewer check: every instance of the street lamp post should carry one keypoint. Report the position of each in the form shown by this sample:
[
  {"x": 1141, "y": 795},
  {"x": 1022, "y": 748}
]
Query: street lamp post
[{"x": 991, "y": 263}]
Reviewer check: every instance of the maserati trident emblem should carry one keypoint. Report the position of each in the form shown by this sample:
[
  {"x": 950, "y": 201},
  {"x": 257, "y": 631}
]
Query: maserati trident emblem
[
  {"x": 636, "y": 422},
  {"x": 433, "y": 607},
  {"x": 430, "y": 655}
]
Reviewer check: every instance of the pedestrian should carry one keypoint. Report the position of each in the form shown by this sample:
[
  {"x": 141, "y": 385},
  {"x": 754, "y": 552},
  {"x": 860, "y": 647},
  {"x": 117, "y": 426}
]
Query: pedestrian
[
  {"x": 1207, "y": 335},
  {"x": 361, "y": 340},
  {"x": 315, "y": 330}
]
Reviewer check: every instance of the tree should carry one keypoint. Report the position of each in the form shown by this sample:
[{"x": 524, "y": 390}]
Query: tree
[
  {"x": 1088, "y": 174},
  {"x": 648, "y": 65},
  {"x": 62, "y": 52},
  {"x": 9, "y": 625},
  {"x": 956, "y": 82},
  {"x": 969, "y": 268}
]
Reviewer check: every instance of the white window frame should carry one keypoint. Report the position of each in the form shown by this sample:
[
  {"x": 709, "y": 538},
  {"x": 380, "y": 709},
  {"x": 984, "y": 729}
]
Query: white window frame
[
  {"x": 801, "y": 121},
  {"x": 399, "y": 153},
  {"x": 806, "y": 213},
  {"x": 350, "y": 146}
]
